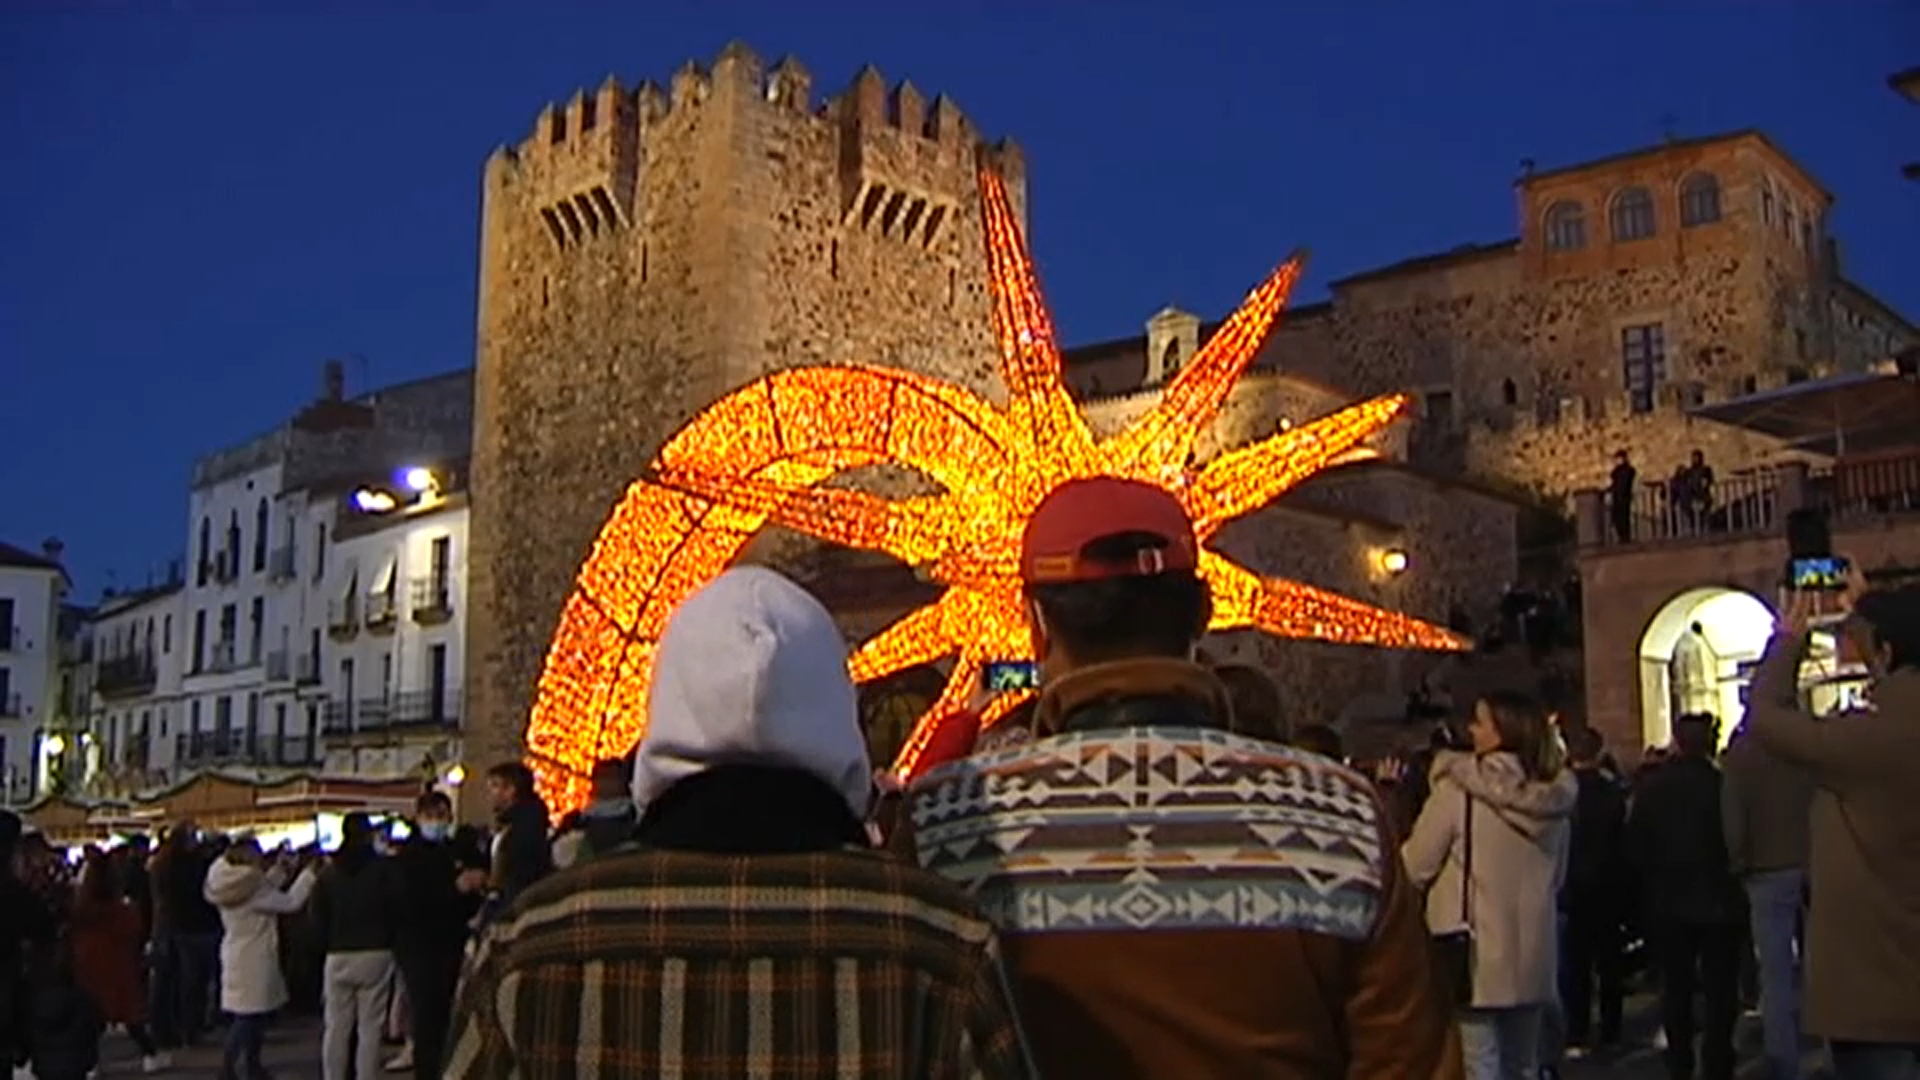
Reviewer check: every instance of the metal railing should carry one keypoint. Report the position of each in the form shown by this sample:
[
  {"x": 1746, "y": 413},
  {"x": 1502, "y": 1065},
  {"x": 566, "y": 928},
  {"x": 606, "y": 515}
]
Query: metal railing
[
  {"x": 381, "y": 609},
  {"x": 343, "y": 617},
  {"x": 222, "y": 657},
  {"x": 432, "y": 598},
  {"x": 283, "y": 563},
  {"x": 399, "y": 712},
  {"x": 132, "y": 674},
  {"x": 1737, "y": 505},
  {"x": 279, "y": 665},
  {"x": 306, "y": 668}
]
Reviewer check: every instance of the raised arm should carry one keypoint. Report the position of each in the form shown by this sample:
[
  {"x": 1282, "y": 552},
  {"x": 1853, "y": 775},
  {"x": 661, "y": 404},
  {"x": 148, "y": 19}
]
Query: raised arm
[
  {"x": 1833, "y": 751},
  {"x": 1426, "y": 847},
  {"x": 272, "y": 901}
]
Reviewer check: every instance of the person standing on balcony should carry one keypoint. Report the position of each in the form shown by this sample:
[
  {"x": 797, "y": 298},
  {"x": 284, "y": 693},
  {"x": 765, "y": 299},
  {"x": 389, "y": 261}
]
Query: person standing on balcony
[
  {"x": 1620, "y": 496},
  {"x": 1696, "y": 492}
]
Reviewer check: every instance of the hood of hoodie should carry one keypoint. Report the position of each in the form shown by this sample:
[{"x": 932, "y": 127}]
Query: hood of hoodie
[
  {"x": 1499, "y": 780},
  {"x": 752, "y": 671},
  {"x": 230, "y": 884}
]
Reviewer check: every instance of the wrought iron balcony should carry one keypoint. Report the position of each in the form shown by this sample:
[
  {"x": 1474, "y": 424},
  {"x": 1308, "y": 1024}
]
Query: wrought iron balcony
[
  {"x": 343, "y": 618},
  {"x": 306, "y": 668},
  {"x": 126, "y": 675},
  {"x": 283, "y": 564},
  {"x": 381, "y": 610},
  {"x": 432, "y": 599},
  {"x": 420, "y": 709},
  {"x": 279, "y": 665},
  {"x": 222, "y": 657}
]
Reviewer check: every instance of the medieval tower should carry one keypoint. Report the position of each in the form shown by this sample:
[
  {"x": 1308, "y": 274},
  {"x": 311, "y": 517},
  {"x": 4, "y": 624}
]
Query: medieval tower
[{"x": 645, "y": 251}]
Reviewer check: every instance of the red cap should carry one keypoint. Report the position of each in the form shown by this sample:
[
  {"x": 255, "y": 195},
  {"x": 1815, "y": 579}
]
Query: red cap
[{"x": 1079, "y": 512}]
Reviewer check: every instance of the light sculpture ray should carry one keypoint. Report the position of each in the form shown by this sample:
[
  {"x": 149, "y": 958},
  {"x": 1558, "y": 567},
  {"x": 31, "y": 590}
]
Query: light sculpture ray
[{"x": 758, "y": 455}]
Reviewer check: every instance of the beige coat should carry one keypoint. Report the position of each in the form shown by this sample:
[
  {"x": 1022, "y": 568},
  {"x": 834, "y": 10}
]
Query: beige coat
[
  {"x": 1520, "y": 834},
  {"x": 251, "y": 903},
  {"x": 1863, "y": 927}
]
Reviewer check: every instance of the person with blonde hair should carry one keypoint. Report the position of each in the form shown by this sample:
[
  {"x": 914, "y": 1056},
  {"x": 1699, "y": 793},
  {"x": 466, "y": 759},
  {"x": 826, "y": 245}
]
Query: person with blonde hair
[{"x": 1490, "y": 847}]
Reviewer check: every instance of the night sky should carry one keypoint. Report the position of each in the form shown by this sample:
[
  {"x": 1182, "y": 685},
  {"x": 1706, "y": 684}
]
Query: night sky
[{"x": 197, "y": 209}]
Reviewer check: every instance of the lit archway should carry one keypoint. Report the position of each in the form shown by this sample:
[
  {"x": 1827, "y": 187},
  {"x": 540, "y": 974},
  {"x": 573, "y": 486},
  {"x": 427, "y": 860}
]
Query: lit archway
[{"x": 1717, "y": 631}]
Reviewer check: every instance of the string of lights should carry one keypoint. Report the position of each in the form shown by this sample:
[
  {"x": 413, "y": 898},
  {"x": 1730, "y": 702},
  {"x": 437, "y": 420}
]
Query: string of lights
[{"x": 759, "y": 455}]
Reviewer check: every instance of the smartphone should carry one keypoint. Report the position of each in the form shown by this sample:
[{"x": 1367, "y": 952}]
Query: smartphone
[
  {"x": 1818, "y": 573},
  {"x": 1009, "y": 676}
]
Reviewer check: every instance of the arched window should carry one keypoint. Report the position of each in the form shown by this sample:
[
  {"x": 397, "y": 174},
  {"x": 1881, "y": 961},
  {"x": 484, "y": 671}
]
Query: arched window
[
  {"x": 1170, "y": 358},
  {"x": 232, "y": 552},
  {"x": 206, "y": 551},
  {"x": 1566, "y": 226},
  {"x": 1509, "y": 393},
  {"x": 1699, "y": 200},
  {"x": 1631, "y": 217},
  {"x": 260, "y": 537}
]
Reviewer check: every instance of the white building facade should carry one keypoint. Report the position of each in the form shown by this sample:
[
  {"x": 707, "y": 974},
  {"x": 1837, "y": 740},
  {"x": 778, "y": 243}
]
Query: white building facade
[
  {"x": 140, "y": 653},
  {"x": 32, "y": 588}
]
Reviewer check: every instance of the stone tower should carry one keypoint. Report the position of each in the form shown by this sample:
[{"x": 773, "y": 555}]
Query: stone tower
[{"x": 644, "y": 252}]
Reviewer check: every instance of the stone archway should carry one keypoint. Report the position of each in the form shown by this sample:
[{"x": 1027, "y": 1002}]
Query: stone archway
[{"x": 1696, "y": 655}]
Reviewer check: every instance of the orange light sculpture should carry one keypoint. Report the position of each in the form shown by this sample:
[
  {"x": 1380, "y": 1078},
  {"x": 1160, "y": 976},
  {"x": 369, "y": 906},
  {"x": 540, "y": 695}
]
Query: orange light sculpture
[{"x": 757, "y": 455}]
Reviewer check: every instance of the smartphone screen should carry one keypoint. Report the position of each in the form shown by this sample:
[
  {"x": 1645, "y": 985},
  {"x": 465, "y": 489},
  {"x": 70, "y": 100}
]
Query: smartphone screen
[
  {"x": 1820, "y": 573},
  {"x": 1006, "y": 676}
]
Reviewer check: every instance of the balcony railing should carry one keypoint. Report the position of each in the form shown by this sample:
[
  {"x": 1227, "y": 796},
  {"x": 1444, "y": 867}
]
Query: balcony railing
[
  {"x": 306, "y": 668},
  {"x": 343, "y": 618},
  {"x": 1753, "y": 503},
  {"x": 400, "y": 712},
  {"x": 432, "y": 599},
  {"x": 122, "y": 675},
  {"x": 226, "y": 568},
  {"x": 222, "y": 657},
  {"x": 10, "y": 705},
  {"x": 279, "y": 665},
  {"x": 381, "y": 610},
  {"x": 283, "y": 564}
]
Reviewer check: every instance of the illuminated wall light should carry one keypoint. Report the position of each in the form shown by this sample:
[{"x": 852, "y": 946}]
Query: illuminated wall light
[
  {"x": 758, "y": 455},
  {"x": 374, "y": 501},
  {"x": 418, "y": 479},
  {"x": 1392, "y": 561}
]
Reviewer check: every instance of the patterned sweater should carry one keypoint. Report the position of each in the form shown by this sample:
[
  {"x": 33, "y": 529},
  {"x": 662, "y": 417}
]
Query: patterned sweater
[{"x": 681, "y": 964}]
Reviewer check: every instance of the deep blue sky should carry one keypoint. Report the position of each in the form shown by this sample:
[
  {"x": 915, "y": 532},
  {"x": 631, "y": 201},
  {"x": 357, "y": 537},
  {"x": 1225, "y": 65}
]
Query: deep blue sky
[{"x": 199, "y": 204}]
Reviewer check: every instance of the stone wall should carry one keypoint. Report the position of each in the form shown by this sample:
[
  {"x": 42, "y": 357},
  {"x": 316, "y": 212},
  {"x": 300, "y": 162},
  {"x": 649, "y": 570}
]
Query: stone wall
[{"x": 646, "y": 251}]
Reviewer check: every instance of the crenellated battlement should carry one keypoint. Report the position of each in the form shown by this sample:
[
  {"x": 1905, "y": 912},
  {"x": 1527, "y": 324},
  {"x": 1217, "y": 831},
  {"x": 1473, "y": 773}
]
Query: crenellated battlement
[{"x": 904, "y": 161}]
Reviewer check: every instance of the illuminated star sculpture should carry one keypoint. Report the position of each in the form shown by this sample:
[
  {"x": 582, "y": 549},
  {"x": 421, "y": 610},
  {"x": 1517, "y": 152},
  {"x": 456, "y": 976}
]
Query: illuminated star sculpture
[{"x": 758, "y": 455}]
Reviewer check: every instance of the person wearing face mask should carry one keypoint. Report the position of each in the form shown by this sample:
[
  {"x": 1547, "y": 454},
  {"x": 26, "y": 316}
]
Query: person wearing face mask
[{"x": 440, "y": 894}]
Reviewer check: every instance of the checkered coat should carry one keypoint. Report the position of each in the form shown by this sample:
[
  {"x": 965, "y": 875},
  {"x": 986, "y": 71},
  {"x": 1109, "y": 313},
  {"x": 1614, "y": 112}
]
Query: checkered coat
[{"x": 838, "y": 963}]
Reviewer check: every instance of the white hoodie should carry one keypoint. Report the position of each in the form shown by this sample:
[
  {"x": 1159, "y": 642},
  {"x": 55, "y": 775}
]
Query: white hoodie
[{"x": 752, "y": 670}]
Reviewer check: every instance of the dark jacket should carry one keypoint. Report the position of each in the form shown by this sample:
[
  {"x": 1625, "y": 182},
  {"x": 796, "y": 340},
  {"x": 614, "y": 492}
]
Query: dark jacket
[
  {"x": 1178, "y": 901},
  {"x": 357, "y": 905},
  {"x": 67, "y": 1025},
  {"x": 433, "y": 913},
  {"x": 1678, "y": 848},
  {"x": 1764, "y": 803},
  {"x": 26, "y": 927},
  {"x": 521, "y": 854},
  {"x": 1596, "y": 855},
  {"x": 179, "y": 903},
  {"x": 740, "y": 870}
]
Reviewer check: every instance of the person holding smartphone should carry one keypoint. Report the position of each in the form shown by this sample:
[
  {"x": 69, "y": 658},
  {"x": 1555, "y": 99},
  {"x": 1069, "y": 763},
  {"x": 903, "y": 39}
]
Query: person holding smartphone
[{"x": 1863, "y": 927}]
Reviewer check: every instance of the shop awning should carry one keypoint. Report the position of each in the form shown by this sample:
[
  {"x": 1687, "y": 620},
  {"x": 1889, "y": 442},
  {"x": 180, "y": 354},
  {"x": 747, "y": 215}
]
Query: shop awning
[{"x": 1859, "y": 413}]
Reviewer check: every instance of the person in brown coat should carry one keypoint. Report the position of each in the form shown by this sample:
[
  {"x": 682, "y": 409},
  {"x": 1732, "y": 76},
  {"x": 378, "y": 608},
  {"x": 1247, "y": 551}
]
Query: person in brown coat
[
  {"x": 109, "y": 953},
  {"x": 1176, "y": 900},
  {"x": 1863, "y": 926}
]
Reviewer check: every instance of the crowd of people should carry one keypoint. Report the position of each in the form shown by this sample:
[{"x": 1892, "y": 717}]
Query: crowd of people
[{"x": 1144, "y": 871}]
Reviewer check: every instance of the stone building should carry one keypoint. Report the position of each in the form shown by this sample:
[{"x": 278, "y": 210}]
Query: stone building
[
  {"x": 1641, "y": 285},
  {"x": 644, "y": 251}
]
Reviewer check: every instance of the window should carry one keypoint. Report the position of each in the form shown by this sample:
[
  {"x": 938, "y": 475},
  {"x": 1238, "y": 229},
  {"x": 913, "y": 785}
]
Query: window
[
  {"x": 1699, "y": 200},
  {"x": 193, "y": 716},
  {"x": 199, "y": 639},
  {"x": 6, "y": 622},
  {"x": 222, "y": 721},
  {"x": 1788, "y": 224},
  {"x": 1566, "y": 227},
  {"x": 1766, "y": 203},
  {"x": 1643, "y": 356},
  {"x": 1631, "y": 217},
  {"x": 319, "y": 551},
  {"x": 1509, "y": 393},
  {"x": 1800, "y": 344},
  {"x": 232, "y": 552},
  {"x": 166, "y": 634},
  {"x": 1439, "y": 408},
  {"x": 206, "y": 552},
  {"x": 256, "y": 628},
  {"x": 260, "y": 537}
]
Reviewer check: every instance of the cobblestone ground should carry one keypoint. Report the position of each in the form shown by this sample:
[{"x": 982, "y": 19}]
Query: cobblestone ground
[{"x": 293, "y": 1053}]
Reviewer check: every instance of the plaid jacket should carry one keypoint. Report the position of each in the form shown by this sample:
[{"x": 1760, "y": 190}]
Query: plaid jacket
[{"x": 679, "y": 964}]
